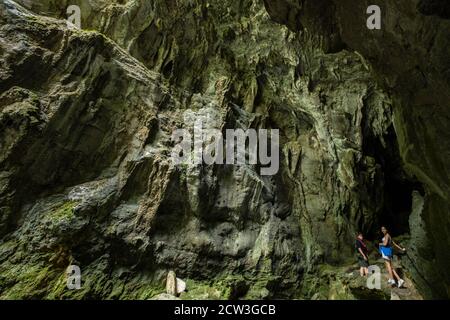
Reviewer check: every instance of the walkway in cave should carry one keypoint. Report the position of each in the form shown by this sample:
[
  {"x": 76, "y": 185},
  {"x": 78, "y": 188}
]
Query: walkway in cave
[{"x": 358, "y": 285}]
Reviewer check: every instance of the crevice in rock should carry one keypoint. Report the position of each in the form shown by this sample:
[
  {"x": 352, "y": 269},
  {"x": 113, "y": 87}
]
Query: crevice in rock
[{"x": 397, "y": 185}]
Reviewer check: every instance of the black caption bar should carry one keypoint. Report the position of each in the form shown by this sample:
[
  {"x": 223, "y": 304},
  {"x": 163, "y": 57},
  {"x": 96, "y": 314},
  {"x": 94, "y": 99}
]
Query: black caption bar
[{"x": 180, "y": 309}]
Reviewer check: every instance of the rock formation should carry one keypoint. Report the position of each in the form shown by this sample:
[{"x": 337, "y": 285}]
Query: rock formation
[
  {"x": 86, "y": 118},
  {"x": 171, "y": 284}
]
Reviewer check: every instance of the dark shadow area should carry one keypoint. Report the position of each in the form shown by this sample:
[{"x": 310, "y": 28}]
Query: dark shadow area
[
  {"x": 397, "y": 185},
  {"x": 440, "y": 8},
  {"x": 397, "y": 202}
]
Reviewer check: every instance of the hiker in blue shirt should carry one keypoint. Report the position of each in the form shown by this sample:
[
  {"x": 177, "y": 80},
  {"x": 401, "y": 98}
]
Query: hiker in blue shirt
[{"x": 386, "y": 251}]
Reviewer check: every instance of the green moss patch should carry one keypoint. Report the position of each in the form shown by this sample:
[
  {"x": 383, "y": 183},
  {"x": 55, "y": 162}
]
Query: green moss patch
[{"x": 65, "y": 211}]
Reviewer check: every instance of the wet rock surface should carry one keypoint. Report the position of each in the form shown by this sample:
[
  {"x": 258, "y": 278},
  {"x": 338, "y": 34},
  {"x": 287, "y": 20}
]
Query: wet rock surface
[{"x": 87, "y": 116}]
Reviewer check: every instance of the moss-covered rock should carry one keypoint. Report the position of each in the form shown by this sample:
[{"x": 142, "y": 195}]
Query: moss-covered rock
[{"x": 86, "y": 118}]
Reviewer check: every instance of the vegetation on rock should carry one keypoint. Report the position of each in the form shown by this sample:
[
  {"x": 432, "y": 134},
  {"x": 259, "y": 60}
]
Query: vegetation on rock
[{"x": 85, "y": 138}]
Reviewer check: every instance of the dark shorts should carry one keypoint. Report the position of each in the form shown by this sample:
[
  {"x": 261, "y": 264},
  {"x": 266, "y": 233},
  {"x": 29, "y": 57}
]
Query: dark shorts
[{"x": 363, "y": 263}]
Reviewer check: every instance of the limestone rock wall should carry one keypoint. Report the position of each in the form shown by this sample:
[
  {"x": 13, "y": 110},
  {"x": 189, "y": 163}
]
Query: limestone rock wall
[{"x": 86, "y": 115}]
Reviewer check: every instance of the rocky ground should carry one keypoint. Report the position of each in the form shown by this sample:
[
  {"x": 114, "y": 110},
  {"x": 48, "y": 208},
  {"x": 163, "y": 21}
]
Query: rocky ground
[
  {"x": 345, "y": 283},
  {"x": 329, "y": 283},
  {"x": 86, "y": 118}
]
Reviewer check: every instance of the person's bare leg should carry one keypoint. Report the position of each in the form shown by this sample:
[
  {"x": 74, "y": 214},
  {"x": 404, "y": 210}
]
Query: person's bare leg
[
  {"x": 395, "y": 273},
  {"x": 366, "y": 271},
  {"x": 389, "y": 269},
  {"x": 361, "y": 271}
]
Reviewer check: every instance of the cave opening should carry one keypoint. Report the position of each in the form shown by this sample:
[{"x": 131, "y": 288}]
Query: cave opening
[
  {"x": 398, "y": 186},
  {"x": 397, "y": 204}
]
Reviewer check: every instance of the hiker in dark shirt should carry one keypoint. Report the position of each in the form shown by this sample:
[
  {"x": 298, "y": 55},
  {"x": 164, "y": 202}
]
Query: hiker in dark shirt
[{"x": 362, "y": 254}]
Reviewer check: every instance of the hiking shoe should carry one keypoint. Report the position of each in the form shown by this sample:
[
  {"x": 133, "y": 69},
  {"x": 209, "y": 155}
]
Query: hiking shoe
[
  {"x": 400, "y": 283},
  {"x": 391, "y": 281}
]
